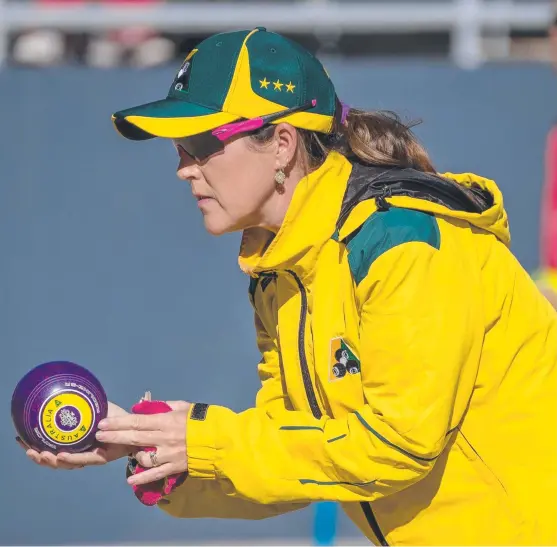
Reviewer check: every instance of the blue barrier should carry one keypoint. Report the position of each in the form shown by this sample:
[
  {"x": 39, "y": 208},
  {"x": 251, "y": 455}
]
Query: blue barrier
[{"x": 325, "y": 523}]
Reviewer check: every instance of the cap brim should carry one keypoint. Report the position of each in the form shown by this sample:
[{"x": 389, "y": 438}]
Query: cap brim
[{"x": 169, "y": 118}]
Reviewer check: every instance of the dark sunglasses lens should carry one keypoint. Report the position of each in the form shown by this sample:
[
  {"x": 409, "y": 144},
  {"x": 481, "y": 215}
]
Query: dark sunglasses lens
[{"x": 201, "y": 146}]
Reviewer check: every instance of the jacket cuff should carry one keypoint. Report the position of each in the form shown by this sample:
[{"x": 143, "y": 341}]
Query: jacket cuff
[{"x": 201, "y": 440}]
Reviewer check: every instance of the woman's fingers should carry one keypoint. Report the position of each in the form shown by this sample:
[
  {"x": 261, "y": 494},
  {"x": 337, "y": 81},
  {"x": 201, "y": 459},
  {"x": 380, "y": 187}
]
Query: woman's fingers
[
  {"x": 131, "y": 437},
  {"x": 153, "y": 474},
  {"x": 61, "y": 461},
  {"x": 48, "y": 460},
  {"x": 34, "y": 456},
  {"x": 82, "y": 459},
  {"x": 133, "y": 422},
  {"x": 43, "y": 458},
  {"x": 146, "y": 460}
]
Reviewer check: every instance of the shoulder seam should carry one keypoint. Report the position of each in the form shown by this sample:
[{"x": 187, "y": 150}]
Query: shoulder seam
[{"x": 376, "y": 236}]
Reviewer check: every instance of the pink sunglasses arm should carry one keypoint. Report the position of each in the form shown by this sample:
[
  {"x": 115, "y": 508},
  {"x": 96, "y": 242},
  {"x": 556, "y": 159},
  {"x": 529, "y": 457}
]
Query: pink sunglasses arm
[{"x": 225, "y": 132}]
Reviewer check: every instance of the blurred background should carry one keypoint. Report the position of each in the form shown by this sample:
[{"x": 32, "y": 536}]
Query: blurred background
[{"x": 104, "y": 258}]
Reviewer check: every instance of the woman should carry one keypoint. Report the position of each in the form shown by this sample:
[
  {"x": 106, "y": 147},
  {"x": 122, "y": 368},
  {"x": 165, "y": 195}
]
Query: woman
[{"x": 408, "y": 361}]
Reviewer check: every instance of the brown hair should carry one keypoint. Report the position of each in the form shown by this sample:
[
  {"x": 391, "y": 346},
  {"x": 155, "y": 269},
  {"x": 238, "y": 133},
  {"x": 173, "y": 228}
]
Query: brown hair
[{"x": 376, "y": 138}]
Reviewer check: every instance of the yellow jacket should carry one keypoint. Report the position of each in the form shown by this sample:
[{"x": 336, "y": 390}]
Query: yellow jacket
[{"x": 409, "y": 371}]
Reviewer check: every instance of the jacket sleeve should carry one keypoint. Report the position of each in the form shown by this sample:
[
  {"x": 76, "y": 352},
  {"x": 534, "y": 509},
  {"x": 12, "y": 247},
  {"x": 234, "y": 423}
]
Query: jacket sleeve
[
  {"x": 198, "y": 498},
  {"x": 421, "y": 336}
]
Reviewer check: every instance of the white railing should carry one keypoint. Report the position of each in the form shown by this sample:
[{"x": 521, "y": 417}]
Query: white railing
[{"x": 464, "y": 19}]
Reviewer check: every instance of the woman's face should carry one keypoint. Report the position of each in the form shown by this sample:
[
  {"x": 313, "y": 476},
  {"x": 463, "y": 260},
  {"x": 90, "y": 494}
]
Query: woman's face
[{"x": 235, "y": 189}]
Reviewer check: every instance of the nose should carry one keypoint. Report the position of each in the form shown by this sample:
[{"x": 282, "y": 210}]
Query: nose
[{"x": 187, "y": 170}]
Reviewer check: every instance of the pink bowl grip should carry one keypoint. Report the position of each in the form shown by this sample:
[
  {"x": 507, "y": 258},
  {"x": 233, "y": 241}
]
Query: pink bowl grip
[{"x": 151, "y": 493}]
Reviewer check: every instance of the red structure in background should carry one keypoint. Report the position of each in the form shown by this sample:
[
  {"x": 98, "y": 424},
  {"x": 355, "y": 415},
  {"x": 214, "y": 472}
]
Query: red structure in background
[
  {"x": 546, "y": 276},
  {"x": 548, "y": 236}
]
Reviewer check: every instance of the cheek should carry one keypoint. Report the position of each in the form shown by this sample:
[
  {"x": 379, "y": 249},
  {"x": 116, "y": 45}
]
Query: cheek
[
  {"x": 246, "y": 183},
  {"x": 257, "y": 182}
]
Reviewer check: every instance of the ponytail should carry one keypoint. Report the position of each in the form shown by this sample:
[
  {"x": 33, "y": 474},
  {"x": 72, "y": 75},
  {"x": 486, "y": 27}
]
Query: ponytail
[{"x": 374, "y": 138}]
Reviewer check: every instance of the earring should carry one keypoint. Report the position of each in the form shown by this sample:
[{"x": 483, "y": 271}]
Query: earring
[{"x": 280, "y": 177}]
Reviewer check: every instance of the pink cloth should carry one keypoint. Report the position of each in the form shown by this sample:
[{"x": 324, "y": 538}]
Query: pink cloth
[{"x": 152, "y": 493}]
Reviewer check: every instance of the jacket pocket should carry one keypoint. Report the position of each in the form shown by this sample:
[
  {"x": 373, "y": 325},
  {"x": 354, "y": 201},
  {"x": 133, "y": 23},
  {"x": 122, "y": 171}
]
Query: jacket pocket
[
  {"x": 492, "y": 481},
  {"x": 472, "y": 455}
]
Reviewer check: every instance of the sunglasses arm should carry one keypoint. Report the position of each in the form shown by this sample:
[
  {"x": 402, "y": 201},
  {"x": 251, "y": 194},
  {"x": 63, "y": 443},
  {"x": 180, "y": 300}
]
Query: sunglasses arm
[{"x": 227, "y": 131}]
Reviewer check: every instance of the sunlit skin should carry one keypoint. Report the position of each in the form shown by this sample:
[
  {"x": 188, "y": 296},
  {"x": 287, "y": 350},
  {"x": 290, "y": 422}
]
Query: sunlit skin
[{"x": 235, "y": 189}]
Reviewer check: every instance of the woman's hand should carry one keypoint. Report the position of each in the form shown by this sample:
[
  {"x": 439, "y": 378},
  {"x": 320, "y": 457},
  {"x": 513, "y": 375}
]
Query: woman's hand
[
  {"x": 97, "y": 456},
  {"x": 165, "y": 432}
]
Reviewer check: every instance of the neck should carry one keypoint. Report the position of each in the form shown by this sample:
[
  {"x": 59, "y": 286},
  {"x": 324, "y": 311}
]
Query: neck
[{"x": 309, "y": 222}]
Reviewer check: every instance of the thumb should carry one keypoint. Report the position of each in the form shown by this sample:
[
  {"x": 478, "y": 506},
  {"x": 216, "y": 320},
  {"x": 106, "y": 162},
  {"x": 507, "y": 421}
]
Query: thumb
[{"x": 179, "y": 405}]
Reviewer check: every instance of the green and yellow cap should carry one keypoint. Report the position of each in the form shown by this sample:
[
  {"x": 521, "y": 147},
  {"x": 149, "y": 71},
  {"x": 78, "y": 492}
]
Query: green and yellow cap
[{"x": 233, "y": 76}]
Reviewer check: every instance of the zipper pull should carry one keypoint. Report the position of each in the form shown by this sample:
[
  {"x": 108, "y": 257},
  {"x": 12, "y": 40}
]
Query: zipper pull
[{"x": 380, "y": 201}]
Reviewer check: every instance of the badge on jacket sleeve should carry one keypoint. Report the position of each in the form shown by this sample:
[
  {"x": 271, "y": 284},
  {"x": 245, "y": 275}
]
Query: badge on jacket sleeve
[{"x": 343, "y": 360}]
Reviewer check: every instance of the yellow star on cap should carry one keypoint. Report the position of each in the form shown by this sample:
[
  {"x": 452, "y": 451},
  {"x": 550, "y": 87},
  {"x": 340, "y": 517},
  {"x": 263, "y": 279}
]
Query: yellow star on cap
[
  {"x": 290, "y": 87},
  {"x": 278, "y": 85},
  {"x": 264, "y": 83}
]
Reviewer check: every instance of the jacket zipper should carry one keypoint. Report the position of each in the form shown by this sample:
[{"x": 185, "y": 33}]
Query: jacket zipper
[
  {"x": 310, "y": 393},
  {"x": 372, "y": 521},
  {"x": 312, "y": 400}
]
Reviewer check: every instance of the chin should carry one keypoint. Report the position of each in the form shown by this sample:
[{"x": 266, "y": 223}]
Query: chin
[{"x": 217, "y": 228}]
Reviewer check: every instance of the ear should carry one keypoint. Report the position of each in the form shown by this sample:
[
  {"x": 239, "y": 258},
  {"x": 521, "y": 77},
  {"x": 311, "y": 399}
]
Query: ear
[{"x": 287, "y": 141}]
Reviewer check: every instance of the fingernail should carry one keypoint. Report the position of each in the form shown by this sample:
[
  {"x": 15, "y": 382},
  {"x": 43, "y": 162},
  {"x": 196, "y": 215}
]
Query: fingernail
[
  {"x": 100, "y": 436},
  {"x": 102, "y": 424}
]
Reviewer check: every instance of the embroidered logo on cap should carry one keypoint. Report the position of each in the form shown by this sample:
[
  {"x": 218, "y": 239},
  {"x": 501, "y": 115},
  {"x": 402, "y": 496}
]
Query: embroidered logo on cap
[{"x": 182, "y": 80}]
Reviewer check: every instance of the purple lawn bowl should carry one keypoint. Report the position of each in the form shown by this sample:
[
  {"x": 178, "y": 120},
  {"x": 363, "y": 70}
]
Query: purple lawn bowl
[{"x": 57, "y": 406}]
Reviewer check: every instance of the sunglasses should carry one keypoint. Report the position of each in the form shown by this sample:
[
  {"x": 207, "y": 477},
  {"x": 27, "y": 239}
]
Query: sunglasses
[{"x": 203, "y": 145}]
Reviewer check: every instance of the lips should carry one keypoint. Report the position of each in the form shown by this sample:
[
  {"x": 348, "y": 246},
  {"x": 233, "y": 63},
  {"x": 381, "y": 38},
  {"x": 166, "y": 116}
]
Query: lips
[{"x": 199, "y": 197}]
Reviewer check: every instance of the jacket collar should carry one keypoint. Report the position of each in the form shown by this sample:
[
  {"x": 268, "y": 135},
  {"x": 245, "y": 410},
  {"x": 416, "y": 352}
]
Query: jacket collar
[{"x": 309, "y": 222}]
